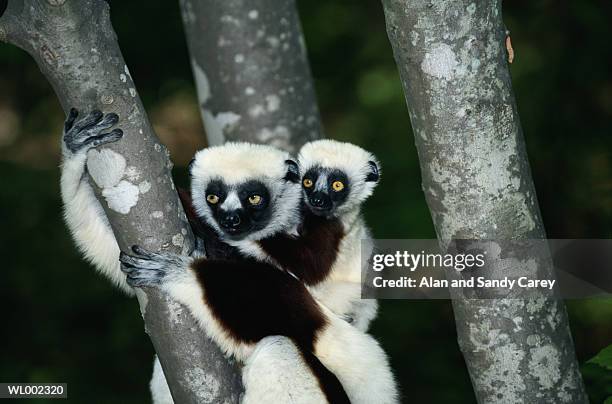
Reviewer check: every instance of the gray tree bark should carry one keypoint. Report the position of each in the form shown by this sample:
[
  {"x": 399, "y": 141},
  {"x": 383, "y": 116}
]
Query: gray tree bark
[
  {"x": 478, "y": 185},
  {"x": 76, "y": 48},
  {"x": 251, "y": 71}
]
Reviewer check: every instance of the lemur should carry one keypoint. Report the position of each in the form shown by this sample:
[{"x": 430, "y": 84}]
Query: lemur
[
  {"x": 336, "y": 180},
  {"x": 248, "y": 192}
]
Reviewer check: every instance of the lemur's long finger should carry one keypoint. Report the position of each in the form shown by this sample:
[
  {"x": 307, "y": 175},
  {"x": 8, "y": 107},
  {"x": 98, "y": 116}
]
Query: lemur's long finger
[
  {"x": 72, "y": 115},
  {"x": 136, "y": 282},
  {"x": 90, "y": 120},
  {"x": 104, "y": 138},
  {"x": 125, "y": 267},
  {"x": 131, "y": 261},
  {"x": 107, "y": 121},
  {"x": 145, "y": 264},
  {"x": 145, "y": 278},
  {"x": 138, "y": 250}
]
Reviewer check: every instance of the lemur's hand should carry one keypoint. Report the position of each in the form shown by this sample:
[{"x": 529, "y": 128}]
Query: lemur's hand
[
  {"x": 85, "y": 133},
  {"x": 146, "y": 268}
]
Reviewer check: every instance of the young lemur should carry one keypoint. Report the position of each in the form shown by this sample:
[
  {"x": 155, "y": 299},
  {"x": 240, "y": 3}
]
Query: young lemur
[
  {"x": 336, "y": 180},
  {"x": 248, "y": 192}
]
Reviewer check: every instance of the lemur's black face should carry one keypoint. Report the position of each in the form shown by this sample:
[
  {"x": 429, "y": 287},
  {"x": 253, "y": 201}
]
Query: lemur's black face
[
  {"x": 325, "y": 190},
  {"x": 239, "y": 209}
]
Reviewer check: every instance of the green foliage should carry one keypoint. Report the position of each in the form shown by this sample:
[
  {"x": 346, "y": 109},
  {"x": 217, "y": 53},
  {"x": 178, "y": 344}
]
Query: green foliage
[
  {"x": 597, "y": 373},
  {"x": 603, "y": 358}
]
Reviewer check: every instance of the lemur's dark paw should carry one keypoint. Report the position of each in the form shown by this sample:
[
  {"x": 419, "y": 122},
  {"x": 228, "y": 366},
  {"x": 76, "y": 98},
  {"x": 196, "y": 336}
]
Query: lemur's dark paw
[
  {"x": 85, "y": 133},
  {"x": 147, "y": 268},
  {"x": 142, "y": 271}
]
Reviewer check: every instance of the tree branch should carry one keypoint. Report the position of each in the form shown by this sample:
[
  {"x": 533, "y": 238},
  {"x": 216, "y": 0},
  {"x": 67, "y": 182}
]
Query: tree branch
[
  {"x": 251, "y": 71},
  {"x": 76, "y": 49},
  {"x": 453, "y": 64}
]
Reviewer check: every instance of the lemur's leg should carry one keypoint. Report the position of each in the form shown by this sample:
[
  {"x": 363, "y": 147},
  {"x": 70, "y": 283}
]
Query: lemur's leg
[
  {"x": 276, "y": 373},
  {"x": 357, "y": 360},
  {"x": 82, "y": 211},
  {"x": 363, "y": 312},
  {"x": 275, "y": 369}
]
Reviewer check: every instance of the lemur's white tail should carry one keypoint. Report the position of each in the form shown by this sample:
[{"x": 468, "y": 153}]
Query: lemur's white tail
[{"x": 358, "y": 361}]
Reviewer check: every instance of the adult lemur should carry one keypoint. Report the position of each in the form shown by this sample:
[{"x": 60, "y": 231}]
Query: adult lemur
[
  {"x": 249, "y": 192},
  {"x": 285, "y": 309}
]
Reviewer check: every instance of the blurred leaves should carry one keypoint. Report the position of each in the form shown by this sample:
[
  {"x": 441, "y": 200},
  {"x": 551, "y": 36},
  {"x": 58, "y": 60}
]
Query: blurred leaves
[
  {"x": 603, "y": 358},
  {"x": 597, "y": 372}
]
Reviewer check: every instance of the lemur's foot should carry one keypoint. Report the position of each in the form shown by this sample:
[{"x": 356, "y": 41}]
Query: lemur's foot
[
  {"x": 146, "y": 268},
  {"x": 85, "y": 133}
]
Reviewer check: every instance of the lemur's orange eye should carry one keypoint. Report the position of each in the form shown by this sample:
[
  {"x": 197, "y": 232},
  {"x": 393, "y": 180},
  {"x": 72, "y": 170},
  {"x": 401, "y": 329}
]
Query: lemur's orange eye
[
  {"x": 307, "y": 182},
  {"x": 337, "y": 186},
  {"x": 254, "y": 199},
  {"x": 212, "y": 198}
]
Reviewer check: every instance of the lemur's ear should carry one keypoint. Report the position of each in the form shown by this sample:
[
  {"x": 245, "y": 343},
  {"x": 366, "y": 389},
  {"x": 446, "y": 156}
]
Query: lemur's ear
[
  {"x": 293, "y": 172},
  {"x": 190, "y": 167},
  {"x": 373, "y": 175}
]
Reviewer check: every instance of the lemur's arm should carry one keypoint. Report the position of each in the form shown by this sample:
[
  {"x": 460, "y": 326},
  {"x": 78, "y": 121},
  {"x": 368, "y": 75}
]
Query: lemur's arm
[
  {"x": 310, "y": 255},
  {"x": 82, "y": 211}
]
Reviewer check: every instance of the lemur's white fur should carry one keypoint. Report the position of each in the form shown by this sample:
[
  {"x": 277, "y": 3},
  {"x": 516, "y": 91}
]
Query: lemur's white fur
[
  {"x": 86, "y": 219},
  {"x": 276, "y": 373},
  {"x": 341, "y": 291}
]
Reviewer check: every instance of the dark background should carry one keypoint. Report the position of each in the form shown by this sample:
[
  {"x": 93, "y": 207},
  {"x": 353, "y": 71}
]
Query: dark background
[{"x": 61, "y": 322}]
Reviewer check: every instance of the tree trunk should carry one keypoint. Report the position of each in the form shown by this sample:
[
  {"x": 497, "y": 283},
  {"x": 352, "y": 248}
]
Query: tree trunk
[
  {"x": 251, "y": 71},
  {"x": 76, "y": 48},
  {"x": 478, "y": 185}
]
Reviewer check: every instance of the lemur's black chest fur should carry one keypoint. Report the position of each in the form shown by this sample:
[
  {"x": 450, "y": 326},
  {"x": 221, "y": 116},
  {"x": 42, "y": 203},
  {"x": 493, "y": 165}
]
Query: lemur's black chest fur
[
  {"x": 254, "y": 300},
  {"x": 312, "y": 254}
]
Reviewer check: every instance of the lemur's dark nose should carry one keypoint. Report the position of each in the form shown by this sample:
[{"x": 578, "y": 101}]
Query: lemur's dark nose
[
  {"x": 319, "y": 199},
  {"x": 230, "y": 220}
]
